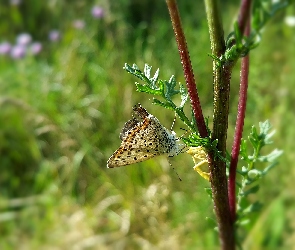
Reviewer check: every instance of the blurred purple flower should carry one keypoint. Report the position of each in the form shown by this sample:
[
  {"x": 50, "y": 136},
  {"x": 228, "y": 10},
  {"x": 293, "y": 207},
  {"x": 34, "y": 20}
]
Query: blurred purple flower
[
  {"x": 36, "y": 48},
  {"x": 18, "y": 51},
  {"x": 97, "y": 12},
  {"x": 54, "y": 35},
  {"x": 78, "y": 24},
  {"x": 23, "y": 39},
  {"x": 5, "y": 48},
  {"x": 15, "y": 2}
]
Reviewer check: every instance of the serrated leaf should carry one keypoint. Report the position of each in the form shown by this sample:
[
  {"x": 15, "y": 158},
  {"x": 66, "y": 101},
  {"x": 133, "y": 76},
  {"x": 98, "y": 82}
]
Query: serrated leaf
[
  {"x": 264, "y": 127},
  {"x": 170, "y": 88},
  {"x": 134, "y": 70}
]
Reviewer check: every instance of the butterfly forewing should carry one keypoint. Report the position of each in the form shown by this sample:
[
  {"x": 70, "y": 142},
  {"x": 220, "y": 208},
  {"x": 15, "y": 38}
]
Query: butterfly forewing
[{"x": 132, "y": 123}]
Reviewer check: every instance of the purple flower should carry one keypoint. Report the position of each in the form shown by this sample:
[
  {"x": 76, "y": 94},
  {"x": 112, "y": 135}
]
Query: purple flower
[
  {"x": 97, "y": 12},
  {"x": 54, "y": 35},
  {"x": 78, "y": 24},
  {"x": 23, "y": 39},
  {"x": 5, "y": 48},
  {"x": 36, "y": 48},
  {"x": 18, "y": 51}
]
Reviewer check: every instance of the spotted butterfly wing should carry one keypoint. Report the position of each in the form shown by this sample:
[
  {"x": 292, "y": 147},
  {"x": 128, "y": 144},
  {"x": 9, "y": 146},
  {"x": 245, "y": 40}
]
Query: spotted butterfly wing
[{"x": 143, "y": 137}]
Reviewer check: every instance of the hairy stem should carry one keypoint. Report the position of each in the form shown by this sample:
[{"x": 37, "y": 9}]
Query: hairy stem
[
  {"x": 221, "y": 81},
  {"x": 187, "y": 67}
]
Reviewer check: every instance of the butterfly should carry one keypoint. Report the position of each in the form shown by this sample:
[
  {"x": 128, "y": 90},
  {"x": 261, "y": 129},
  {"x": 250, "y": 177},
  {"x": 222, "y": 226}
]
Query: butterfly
[{"x": 144, "y": 137}]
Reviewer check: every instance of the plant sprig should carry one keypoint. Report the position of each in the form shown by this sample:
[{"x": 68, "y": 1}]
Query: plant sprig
[
  {"x": 237, "y": 45},
  {"x": 163, "y": 88},
  {"x": 250, "y": 173}
]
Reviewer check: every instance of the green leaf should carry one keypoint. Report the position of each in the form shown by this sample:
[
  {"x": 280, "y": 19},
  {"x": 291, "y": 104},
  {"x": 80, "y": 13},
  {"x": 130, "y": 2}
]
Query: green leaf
[
  {"x": 255, "y": 207},
  {"x": 183, "y": 94},
  {"x": 170, "y": 88},
  {"x": 271, "y": 157},
  {"x": 211, "y": 221},
  {"x": 167, "y": 105},
  {"x": 146, "y": 89},
  {"x": 147, "y": 70},
  {"x": 238, "y": 35},
  {"x": 244, "y": 150},
  {"x": 251, "y": 190},
  {"x": 243, "y": 222},
  {"x": 134, "y": 70},
  {"x": 239, "y": 185},
  {"x": 264, "y": 127},
  {"x": 209, "y": 192},
  {"x": 263, "y": 11}
]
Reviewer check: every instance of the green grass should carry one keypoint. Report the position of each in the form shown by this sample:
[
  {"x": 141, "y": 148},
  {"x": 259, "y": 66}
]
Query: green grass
[{"x": 61, "y": 115}]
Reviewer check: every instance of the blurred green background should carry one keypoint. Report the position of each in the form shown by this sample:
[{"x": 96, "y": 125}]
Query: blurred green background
[{"x": 65, "y": 97}]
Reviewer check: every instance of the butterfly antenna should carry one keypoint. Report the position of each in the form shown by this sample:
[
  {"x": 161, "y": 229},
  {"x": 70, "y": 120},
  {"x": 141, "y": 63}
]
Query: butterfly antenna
[
  {"x": 174, "y": 171},
  {"x": 177, "y": 174},
  {"x": 186, "y": 131},
  {"x": 173, "y": 122}
]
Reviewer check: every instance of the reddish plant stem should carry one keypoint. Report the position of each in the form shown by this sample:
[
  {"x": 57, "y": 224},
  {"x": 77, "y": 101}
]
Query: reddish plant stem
[
  {"x": 244, "y": 14},
  {"x": 238, "y": 130},
  {"x": 187, "y": 67}
]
